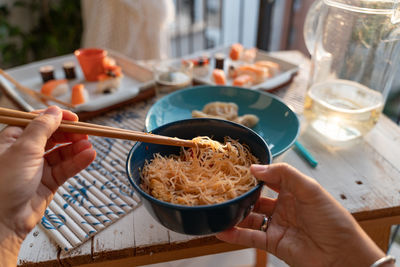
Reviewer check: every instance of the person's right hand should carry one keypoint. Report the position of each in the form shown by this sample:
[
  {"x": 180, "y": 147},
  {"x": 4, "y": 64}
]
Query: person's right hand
[{"x": 308, "y": 227}]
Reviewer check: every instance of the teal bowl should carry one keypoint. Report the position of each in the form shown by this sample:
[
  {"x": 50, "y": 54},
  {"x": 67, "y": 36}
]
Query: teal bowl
[
  {"x": 205, "y": 219},
  {"x": 278, "y": 125}
]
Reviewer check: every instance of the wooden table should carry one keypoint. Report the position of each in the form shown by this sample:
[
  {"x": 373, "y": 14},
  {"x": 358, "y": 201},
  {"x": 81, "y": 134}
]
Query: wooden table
[{"x": 364, "y": 178}]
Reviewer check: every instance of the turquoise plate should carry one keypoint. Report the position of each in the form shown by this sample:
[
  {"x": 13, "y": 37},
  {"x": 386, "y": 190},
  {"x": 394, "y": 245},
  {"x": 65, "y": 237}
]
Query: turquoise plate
[{"x": 278, "y": 125}]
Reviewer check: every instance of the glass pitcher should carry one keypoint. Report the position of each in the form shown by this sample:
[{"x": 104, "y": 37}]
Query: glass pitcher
[{"x": 355, "y": 52}]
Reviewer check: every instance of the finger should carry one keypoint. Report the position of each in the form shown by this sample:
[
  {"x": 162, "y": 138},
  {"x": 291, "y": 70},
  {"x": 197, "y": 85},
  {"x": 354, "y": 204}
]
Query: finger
[
  {"x": 49, "y": 145},
  {"x": 265, "y": 206},
  {"x": 252, "y": 221},
  {"x": 69, "y": 115},
  {"x": 41, "y": 128},
  {"x": 244, "y": 237},
  {"x": 73, "y": 166},
  {"x": 60, "y": 137},
  {"x": 8, "y": 136},
  {"x": 66, "y": 114},
  {"x": 70, "y": 165},
  {"x": 283, "y": 176},
  {"x": 62, "y": 153}
]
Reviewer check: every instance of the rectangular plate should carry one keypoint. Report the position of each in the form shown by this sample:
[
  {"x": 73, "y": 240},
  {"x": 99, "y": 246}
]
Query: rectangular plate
[
  {"x": 287, "y": 70},
  {"x": 135, "y": 79}
]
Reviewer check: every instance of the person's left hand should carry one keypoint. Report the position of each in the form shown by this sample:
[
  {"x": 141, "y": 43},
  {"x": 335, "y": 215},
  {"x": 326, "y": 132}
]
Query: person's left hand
[{"x": 32, "y": 168}]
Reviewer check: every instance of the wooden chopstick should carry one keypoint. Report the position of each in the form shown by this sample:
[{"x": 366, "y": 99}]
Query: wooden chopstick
[
  {"x": 31, "y": 116},
  {"x": 19, "y": 118},
  {"x": 34, "y": 93}
]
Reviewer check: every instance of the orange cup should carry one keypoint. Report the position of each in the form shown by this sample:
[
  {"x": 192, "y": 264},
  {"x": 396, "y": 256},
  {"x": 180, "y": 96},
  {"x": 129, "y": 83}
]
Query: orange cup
[{"x": 91, "y": 61}]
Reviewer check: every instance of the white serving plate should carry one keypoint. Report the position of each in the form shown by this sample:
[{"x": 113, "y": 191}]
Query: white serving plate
[
  {"x": 287, "y": 70},
  {"x": 135, "y": 78}
]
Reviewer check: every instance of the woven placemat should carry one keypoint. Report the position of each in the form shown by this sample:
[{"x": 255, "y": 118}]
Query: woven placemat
[{"x": 101, "y": 194}]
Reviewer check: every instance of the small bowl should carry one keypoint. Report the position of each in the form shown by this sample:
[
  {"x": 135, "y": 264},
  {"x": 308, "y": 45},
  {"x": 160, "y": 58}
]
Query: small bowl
[
  {"x": 91, "y": 62},
  {"x": 205, "y": 219}
]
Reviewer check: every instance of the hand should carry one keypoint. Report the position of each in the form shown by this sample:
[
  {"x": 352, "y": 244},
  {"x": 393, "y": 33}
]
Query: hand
[
  {"x": 31, "y": 172},
  {"x": 308, "y": 227}
]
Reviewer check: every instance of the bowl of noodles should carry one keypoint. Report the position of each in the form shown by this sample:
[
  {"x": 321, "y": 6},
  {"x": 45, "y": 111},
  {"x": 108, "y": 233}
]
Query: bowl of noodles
[{"x": 201, "y": 190}]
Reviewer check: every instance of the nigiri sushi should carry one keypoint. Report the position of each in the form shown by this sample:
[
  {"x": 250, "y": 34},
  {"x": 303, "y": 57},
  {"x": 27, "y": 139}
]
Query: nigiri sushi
[
  {"x": 231, "y": 71},
  {"x": 243, "y": 80},
  {"x": 107, "y": 84},
  {"x": 236, "y": 51},
  {"x": 110, "y": 80},
  {"x": 249, "y": 55},
  {"x": 55, "y": 87},
  {"x": 256, "y": 72},
  {"x": 79, "y": 94},
  {"x": 219, "y": 77},
  {"x": 272, "y": 66}
]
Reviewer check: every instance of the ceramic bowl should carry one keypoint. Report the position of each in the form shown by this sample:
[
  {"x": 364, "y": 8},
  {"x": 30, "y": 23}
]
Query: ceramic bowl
[
  {"x": 278, "y": 125},
  {"x": 205, "y": 219}
]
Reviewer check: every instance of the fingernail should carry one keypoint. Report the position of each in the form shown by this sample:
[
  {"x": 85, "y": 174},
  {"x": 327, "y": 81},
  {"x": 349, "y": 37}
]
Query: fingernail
[
  {"x": 53, "y": 110},
  {"x": 258, "y": 167}
]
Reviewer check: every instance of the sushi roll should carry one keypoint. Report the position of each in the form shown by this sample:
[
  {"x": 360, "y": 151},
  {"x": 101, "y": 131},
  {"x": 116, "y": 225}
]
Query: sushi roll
[
  {"x": 47, "y": 73},
  {"x": 79, "y": 94},
  {"x": 219, "y": 61},
  {"x": 69, "y": 70},
  {"x": 55, "y": 88},
  {"x": 219, "y": 77}
]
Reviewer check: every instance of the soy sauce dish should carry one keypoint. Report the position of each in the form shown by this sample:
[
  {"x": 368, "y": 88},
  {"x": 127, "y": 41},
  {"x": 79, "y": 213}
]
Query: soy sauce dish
[{"x": 204, "y": 219}]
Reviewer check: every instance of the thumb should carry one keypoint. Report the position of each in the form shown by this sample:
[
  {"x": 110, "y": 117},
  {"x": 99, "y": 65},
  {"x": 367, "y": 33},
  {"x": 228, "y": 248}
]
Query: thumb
[
  {"x": 283, "y": 177},
  {"x": 42, "y": 127}
]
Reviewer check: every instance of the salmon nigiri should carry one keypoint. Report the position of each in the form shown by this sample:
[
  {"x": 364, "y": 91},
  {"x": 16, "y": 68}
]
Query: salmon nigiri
[
  {"x": 236, "y": 51},
  {"x": 243, "y": 80},
  {"x": 79, "y": 94},
  {"x": 259, "y": 74},
  {"x": 272, "y": 66},
  {"x": 54, "y": 87},
  {"x": 219, "y": 77}
]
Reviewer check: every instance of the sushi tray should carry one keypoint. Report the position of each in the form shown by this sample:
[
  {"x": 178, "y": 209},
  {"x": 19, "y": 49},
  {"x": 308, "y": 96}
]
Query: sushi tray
[
  {"x": 90, "y": 97},
  {"x": 250, "y": 68}
]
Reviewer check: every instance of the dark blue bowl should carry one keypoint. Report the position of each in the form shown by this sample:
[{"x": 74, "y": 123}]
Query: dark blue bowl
[{"x": 205, "y": 219}]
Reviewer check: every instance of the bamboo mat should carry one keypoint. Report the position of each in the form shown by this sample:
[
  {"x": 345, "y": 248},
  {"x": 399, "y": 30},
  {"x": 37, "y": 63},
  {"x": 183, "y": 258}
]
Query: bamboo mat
[{"x": 101, "y": 194}]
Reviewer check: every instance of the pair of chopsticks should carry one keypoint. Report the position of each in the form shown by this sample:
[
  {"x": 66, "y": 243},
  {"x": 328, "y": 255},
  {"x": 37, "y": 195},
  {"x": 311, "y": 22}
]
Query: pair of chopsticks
[
  {"x": 20, "y": 118},
  {"x": 39, "y": 96}
]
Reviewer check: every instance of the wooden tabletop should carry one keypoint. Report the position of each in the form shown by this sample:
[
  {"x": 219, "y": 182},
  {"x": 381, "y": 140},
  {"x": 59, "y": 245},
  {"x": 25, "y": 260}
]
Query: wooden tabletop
[{"x": 364, "y": 178}]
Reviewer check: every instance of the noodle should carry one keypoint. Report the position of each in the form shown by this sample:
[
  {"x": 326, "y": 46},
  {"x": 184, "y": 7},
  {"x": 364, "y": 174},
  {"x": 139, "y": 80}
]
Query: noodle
[
  {"x": 226, "y": 111},
  {"x": 200, "y": 176}
]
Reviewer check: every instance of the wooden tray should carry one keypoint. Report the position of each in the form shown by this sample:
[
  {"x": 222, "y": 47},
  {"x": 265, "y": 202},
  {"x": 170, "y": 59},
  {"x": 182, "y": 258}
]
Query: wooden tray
[{"x": 136, "y": 85}]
